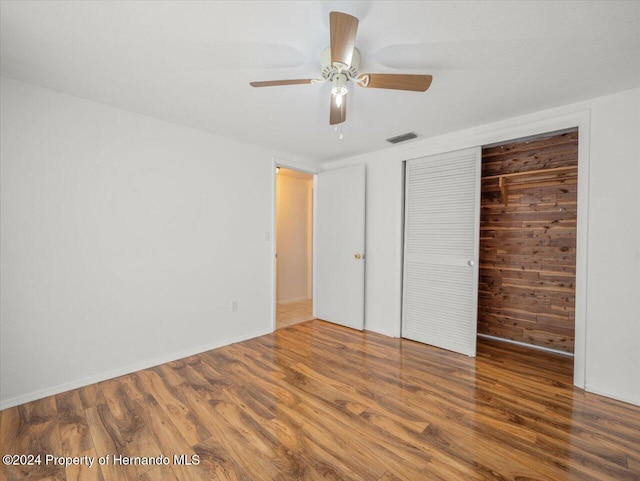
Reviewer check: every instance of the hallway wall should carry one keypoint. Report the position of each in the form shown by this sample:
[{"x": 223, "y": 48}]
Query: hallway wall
[{"x": 294, "y": 203}]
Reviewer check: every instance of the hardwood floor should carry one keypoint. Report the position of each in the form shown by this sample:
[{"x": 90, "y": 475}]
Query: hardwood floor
[{"x": 317, "y": 401}]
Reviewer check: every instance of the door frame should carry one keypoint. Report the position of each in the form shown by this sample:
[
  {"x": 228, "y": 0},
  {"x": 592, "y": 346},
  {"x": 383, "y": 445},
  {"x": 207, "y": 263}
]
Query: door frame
[
  {"x": 504, "y": 131},
  {"x": 307, "y": 169}
]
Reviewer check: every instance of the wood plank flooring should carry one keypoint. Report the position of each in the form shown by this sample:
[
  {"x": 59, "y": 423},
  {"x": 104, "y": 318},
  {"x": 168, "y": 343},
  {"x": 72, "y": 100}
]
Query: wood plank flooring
[{"x": 320, "y": 402}]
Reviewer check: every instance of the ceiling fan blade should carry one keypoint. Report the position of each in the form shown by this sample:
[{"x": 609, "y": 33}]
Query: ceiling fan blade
[
  {"x": 337, "y": 114},
  {"x": 343, "y": 29},
  {"x": 416, "y": 83},
  {"x": 274, "y": 83}
]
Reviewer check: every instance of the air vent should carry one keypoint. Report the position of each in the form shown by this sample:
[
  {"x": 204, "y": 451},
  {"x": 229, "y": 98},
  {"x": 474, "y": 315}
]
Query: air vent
[{"x": 402, "y": 138}]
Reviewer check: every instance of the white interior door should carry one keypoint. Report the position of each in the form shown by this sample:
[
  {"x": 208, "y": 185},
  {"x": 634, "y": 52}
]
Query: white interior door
[
  {"x": 442, "y": 215},
  {"x": 340, "y": 234}
]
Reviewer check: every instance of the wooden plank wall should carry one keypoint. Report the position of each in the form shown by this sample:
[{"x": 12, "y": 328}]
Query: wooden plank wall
[{"x": 527, "y": 249}]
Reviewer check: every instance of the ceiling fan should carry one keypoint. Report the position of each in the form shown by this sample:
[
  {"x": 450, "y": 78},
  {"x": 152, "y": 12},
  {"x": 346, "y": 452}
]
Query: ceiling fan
[{"x": 340, "y": 63}]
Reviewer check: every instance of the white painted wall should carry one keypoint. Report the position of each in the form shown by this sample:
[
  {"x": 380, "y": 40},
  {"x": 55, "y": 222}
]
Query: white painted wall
[
  {"x": 124, "y": 240},
  {"x": 613, "y": 295},
  {"x": 610, "y": 236},
  {"x": 293, "y": 224}
]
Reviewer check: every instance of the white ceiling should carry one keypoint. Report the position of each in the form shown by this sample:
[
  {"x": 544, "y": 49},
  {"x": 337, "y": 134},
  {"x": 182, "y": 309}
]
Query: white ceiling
[{"x": 191, "y": 62}]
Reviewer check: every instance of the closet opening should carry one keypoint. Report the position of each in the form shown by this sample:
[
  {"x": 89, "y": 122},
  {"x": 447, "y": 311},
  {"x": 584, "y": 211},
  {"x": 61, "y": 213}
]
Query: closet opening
[
  {"x": 294, "y": 247},
  {"x": 527, "y": 256}
]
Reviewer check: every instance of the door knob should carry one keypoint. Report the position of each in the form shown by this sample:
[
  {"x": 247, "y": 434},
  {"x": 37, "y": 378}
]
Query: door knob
[
  {"x": 471, "y": 263},
  {"x": 358, "y": 256}
]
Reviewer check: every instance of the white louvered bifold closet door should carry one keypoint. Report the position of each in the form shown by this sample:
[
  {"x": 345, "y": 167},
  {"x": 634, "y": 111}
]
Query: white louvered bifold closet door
[{"x": 442, "y": 214}]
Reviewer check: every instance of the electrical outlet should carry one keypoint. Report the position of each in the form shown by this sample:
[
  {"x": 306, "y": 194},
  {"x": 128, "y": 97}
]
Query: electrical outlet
[{"x": 234, "y": 305}]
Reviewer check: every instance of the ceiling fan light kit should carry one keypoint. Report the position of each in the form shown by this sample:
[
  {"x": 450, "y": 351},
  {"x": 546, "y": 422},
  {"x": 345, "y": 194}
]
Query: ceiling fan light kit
[
  {"x": 339, "y": 88},
  {"x": 339, "y": 64}
]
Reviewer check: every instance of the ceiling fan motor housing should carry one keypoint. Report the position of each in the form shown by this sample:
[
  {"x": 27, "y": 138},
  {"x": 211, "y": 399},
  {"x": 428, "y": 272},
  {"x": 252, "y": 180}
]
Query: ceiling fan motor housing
[{"x": 330, "y": 70}]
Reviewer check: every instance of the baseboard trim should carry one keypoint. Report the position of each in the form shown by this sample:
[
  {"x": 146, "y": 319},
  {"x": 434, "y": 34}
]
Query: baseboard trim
[
  {"x": 611, "y": 396},
  {"x": 524, "y": 344},
  {"x": 60, "y": 388}
]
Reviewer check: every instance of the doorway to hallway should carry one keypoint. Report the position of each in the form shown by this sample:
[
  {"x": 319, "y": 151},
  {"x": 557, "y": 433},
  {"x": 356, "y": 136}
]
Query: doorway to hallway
[{"x": 294, "y": 247}]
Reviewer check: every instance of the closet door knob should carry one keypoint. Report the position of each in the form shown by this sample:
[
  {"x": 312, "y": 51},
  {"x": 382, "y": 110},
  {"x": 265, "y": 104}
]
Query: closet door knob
[{"x": 471, "y": 263}]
